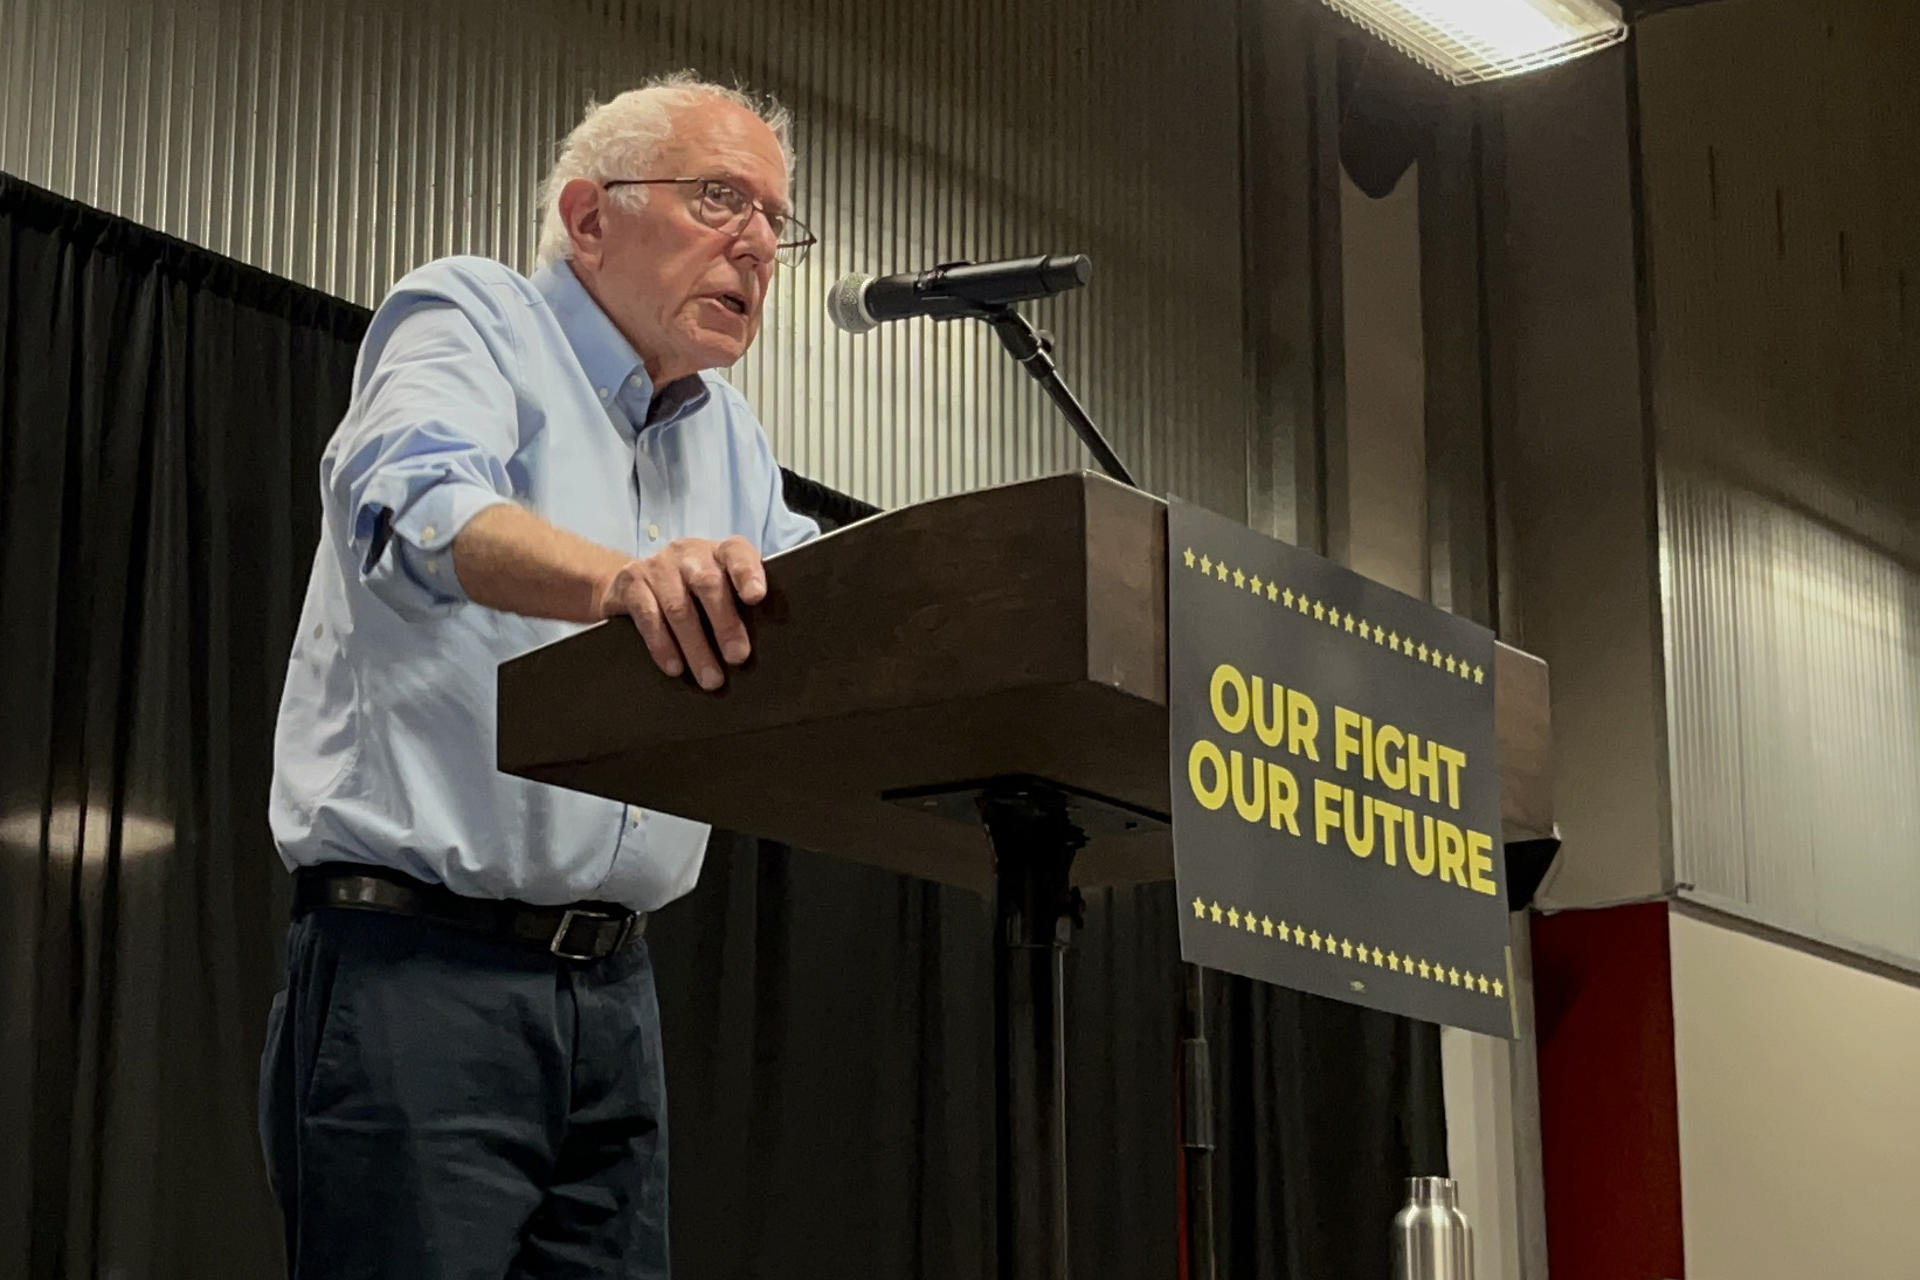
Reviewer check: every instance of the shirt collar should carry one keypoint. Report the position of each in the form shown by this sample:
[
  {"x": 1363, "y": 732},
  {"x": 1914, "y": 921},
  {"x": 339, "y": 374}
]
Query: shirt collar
[{"x": 616, "y": 370}]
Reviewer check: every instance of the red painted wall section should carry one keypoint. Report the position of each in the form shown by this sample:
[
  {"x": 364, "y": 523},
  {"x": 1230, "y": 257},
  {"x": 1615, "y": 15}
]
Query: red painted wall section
[{"x": 1609, "y": 1121}]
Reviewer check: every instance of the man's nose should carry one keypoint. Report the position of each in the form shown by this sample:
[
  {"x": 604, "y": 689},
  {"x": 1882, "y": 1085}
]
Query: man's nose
[{"x": 757, "y": 238}]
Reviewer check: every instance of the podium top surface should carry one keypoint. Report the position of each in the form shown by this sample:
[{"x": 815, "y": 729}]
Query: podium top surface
[{"x": 1013, "y": 630}]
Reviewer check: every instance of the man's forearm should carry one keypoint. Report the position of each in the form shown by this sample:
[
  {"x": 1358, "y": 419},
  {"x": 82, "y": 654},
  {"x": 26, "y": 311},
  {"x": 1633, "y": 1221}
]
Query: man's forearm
[{"x": 508, "y": 558}]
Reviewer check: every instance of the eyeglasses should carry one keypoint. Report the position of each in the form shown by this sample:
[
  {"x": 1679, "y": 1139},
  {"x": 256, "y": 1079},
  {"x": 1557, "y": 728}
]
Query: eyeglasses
[{"x": 725, "y": 207}]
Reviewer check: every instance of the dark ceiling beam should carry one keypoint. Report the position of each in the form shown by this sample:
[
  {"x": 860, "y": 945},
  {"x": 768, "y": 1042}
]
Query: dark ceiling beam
[{"x": 1635, "y": 10}]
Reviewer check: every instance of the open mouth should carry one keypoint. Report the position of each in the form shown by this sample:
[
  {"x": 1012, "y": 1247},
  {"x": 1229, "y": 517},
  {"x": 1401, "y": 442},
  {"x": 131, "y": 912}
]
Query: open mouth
[{"x": 734, "y": 302}]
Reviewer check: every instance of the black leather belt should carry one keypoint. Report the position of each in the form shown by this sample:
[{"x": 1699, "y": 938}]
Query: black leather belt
[{"x": 581, "y": 931}]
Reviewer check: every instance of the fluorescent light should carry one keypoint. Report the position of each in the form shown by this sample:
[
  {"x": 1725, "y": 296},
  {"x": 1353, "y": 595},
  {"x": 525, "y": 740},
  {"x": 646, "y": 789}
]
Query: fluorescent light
[{"x": 1468, "y": 41}]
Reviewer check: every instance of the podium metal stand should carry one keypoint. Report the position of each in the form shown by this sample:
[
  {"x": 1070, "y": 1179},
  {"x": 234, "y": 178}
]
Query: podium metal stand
[{"x": 972, "y": 690}]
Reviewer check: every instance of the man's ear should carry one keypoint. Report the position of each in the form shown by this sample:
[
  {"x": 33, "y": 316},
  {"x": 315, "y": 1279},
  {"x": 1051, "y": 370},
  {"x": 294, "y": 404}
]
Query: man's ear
[{"x": 583, "y": 210}]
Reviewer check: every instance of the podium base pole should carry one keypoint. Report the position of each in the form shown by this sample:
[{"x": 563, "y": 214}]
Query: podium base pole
[
  {"x": 1036, "y": 907},
  {"x": 1196, "y": 1127}
]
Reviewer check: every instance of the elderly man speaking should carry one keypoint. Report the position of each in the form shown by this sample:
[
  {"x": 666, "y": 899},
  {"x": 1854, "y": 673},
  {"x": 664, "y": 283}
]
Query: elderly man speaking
[{"x": 463, "y": 1076}]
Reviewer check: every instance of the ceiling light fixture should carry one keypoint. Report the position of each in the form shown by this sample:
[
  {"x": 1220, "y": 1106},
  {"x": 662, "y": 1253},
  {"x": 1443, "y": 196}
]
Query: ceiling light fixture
[{"x": 1470, "y": 41}]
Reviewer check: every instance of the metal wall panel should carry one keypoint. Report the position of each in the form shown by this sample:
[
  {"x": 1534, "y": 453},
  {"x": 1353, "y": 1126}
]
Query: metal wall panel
[
  {"x": 338, "y": 142},
  {"x": 1794, "y": 710},
  {"x": 1781, "y": 180}
]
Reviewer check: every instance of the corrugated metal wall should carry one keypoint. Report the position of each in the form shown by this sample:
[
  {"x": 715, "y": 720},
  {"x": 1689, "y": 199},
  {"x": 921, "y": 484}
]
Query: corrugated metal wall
[
  {"x": 1782, "y": 180},
  {"x": 1794, "y": 699},
  {"x": 337, "y": 142}
]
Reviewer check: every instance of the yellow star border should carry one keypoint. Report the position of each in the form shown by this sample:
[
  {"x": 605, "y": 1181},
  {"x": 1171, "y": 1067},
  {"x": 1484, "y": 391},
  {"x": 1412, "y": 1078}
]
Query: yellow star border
[
  {"x": 1362, "y": 629},
  {"x": 1293, "y": 933}
]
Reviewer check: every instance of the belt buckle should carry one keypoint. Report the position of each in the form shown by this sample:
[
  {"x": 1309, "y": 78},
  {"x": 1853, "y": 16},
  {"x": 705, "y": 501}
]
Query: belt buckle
[{"x": 558, "y": 945}]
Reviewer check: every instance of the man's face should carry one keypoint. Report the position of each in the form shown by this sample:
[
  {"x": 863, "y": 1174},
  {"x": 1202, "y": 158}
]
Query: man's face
[{"x": 688, "y": 296}]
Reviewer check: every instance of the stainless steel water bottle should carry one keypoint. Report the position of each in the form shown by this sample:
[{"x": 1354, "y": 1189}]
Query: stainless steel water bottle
[{"x": 1431, "y": 1238}]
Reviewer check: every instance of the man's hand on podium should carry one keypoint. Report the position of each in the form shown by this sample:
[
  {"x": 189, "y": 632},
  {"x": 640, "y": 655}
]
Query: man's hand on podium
[
  {"x": 510, "y": 558},
  {"x": 666, "y": 595}
]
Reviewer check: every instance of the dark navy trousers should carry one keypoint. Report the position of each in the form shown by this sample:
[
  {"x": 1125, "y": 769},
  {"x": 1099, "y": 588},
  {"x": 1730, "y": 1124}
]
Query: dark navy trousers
[{"x": 437, "y": 1105}]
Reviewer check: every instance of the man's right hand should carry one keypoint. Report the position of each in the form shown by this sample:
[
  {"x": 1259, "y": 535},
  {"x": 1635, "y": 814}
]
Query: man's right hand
[
  {"x": 667, "y": 594},
  {"x": 509, "y": 558}
]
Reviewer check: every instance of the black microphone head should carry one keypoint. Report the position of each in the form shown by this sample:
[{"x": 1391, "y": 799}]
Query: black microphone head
[
  {"x": 1067, "y": 271},
  {"x": 847, "y": 306}
]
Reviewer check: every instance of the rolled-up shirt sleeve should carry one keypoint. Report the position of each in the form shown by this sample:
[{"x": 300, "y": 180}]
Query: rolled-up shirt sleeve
[{"x": 424, "y": 449}]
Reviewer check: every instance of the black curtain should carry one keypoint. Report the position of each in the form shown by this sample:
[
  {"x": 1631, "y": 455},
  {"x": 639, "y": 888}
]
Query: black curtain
[{"x": 828, "y": 1026}]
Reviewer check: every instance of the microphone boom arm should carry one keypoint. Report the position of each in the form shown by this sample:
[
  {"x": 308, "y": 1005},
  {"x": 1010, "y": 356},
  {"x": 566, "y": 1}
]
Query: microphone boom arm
[{"x": 1016, "y": 334}]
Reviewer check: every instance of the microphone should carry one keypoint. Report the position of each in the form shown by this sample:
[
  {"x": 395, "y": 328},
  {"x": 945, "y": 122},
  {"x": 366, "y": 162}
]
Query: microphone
[{"x": 859, "y": 302}]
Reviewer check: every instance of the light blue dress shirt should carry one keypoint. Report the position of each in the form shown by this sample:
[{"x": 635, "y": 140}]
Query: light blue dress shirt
[{"x": 477, "y": 386}]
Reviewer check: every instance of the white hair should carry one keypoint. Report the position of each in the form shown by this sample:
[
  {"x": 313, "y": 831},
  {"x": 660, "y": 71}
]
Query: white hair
[{"x": 619, "y": 139}]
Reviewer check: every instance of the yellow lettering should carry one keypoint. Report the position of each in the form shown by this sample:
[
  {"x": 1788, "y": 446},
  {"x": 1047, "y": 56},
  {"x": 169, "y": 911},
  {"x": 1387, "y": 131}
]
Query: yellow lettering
[
  {"x": 1360, "y": 834},
  {"x": 1283, "y": 798},
  {"x": 1455, "y": 760},
  {"x": 1420, "y": 857},
  {"x": 1422, "y": 765},
  {"x": 1326, "y": 815},
  {"x": 1226, "y": 677},
  {"x": 1204, "y": 753},
  {"x": 1387, "y": 744},
  {"x": 1264, "y": 791},
  {"x": 1251, "y": 802},
  {"x": 1453, "y": 853},
  {"x": 1267, "y": 712},
  {"x": 1345, "y": 741},
  {"x": 1480, "y": 863},
  {"x": 1303, "y": 725},
  {"x": 1390, "y": 828}
]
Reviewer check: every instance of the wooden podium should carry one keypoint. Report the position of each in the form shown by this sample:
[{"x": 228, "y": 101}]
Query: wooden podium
[{"x": 971, "y": 690}]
